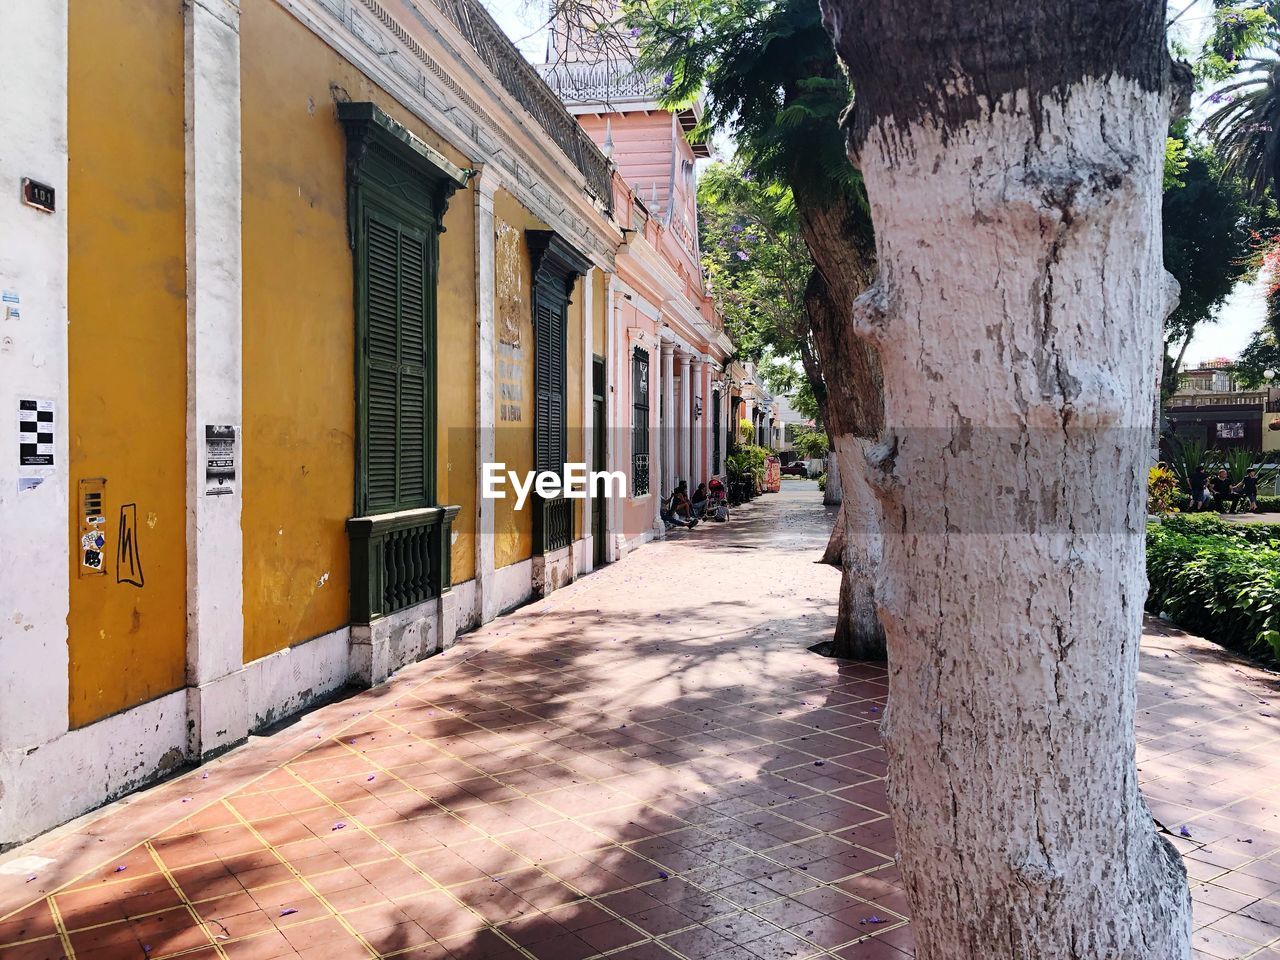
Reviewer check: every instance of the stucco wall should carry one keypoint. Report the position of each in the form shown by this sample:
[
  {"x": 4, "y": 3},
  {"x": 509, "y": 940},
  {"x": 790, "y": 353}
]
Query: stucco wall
[
  {"x": 299, "y": 393},
  {"x": 127, "y": 348}
]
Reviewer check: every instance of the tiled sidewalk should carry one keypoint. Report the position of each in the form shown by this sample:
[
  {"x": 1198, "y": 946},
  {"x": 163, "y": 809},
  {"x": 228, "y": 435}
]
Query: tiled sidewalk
[{"x": 648, "y": 764}]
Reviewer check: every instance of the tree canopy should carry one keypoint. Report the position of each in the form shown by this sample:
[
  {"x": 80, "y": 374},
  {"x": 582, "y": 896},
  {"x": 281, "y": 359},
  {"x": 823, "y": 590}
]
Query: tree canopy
[{"x": 1210, "y": 235}]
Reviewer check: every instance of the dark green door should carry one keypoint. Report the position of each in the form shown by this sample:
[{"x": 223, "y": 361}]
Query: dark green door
[{"x": 599, "y": 459}]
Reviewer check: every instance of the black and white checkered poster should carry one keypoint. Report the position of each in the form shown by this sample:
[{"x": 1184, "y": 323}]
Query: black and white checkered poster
[{"x": 35, "y": 434}]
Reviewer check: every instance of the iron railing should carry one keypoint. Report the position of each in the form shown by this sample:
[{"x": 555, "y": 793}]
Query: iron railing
[
  {"x": 604, "y": 82},
  {"x": 1196, "y": 400},
  {"x": 399, "y": 560},
  {"x": 552, "y": 525}
]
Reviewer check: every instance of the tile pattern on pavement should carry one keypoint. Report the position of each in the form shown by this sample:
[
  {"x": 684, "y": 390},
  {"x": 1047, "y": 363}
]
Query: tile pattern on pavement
[{"x": 648, "y": 764}]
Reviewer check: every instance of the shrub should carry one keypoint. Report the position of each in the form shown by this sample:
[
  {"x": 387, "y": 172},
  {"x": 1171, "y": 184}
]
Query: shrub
[
  {"x": 1163, "y": 492},
  {"x": 746, "y": 462},
  {"x": 1218, "y": 579},
  {"x": 822, "y": 482}
]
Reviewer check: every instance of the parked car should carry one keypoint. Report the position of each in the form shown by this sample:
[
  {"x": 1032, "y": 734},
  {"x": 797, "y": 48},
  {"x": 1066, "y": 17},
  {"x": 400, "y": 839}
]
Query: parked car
[{"x": 797, "y": 469}]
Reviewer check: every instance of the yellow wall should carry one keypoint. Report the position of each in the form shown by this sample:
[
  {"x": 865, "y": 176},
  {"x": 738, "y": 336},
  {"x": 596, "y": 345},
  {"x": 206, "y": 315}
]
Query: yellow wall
[
  {"x": 299, "y": 325},
  {"x": 127, "y": 344}
]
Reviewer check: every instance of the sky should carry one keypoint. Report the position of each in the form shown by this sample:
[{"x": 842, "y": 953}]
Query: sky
[{"x": 1239, "y": 317}]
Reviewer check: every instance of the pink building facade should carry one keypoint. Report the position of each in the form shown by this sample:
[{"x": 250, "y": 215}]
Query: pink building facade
[{"x": 670, "y": 419}]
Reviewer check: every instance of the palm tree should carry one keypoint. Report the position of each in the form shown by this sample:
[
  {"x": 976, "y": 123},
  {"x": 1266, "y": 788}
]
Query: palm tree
[{"x": 1246, "y": 125}]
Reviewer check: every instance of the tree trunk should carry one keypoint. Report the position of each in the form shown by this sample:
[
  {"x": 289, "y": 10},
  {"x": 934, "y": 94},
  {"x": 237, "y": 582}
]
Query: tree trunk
[
  {"x": 833, "y": 495},
  {"x": 833, "y": 556},
  {"x": 1012, "y": 155},
  {"x": 852, "y": 410}
]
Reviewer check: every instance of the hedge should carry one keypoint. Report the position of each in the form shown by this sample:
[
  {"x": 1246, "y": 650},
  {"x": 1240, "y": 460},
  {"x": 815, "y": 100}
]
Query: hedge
[{"x": 1217, "y": 579}]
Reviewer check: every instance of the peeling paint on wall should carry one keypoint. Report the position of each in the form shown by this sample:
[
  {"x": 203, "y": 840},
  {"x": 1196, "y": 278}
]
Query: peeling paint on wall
[{"x": 508, "y": 280}]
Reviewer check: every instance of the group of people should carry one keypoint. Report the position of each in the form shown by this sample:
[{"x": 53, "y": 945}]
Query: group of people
[
  {"x": 707, "y": 502},
  {"x": 1220, "y": 493}
]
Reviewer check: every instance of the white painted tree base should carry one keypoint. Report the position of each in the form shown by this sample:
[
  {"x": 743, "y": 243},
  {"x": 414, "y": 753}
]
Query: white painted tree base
[{"x": 1019, "y": 316}]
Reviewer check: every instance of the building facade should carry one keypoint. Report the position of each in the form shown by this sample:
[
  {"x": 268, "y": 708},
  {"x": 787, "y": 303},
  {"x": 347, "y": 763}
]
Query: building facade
[
  {"x": 281, "y": 279},
  {"x": 1210, "y": 407},
  {"x": 669, "y": 337}
]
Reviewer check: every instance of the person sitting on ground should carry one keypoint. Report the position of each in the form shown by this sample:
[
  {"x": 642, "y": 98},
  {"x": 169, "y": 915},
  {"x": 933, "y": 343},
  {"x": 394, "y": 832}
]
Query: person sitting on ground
[
  {"x": 699, "y": 502},
  {"x": 1224, "y": 500},
  {"x": 1199, "y": 480},
  {"x": 675, "y": 509},
  {"x": 680, "y": 504},
  {"x": 1247, "y": 489}
]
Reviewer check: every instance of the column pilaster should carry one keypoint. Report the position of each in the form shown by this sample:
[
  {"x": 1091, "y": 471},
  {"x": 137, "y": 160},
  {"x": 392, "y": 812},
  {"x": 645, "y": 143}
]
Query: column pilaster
[
  {"x": 218, "y": 710},
  {"x": 666, "y": 424},
  {"x": 485, "y": 185},
  {"x": 683, "y": 451}
]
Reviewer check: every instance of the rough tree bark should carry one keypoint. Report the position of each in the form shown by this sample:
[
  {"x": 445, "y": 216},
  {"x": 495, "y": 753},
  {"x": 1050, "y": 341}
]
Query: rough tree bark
[
  {"x": 852, "y": 413},
  {"x": 1012, "y": 154}
]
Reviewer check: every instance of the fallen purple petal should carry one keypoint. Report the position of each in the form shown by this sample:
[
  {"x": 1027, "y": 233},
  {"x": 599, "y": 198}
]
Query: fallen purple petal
[
  {"x": 339, "y": 825},
  {"x": 288, "y": 910},
  {"x": 1185, "y": 832}
]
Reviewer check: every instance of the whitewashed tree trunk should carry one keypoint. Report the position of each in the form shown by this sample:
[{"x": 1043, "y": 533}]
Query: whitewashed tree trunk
[
  {"x": 1018, "y": 315},
  {"x": 833, "y": 495},
  {"x": 859, "y": 635}
]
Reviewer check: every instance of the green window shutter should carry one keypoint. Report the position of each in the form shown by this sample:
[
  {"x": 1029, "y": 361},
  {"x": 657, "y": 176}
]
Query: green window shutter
[
  {"x": 382, "y": 279},
  {"x": 415, "y": 383},
  {"x": 549, "y": 381},
  {"x": 397, "y": 361}
]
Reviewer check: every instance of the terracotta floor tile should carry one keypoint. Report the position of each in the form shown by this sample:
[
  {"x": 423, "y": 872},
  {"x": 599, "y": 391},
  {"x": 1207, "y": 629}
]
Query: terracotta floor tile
[{"x": 601, "y": 754}]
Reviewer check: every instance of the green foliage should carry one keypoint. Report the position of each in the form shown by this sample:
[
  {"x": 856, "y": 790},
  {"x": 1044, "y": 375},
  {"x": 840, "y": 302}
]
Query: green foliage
[
  {"x": 746, "y": 430},
  {"x": 822, "y": 482},
  {"x": 1175, "y": 162},
  {"x": 1185, "y": 456},
  {"x": 812, "y": 443},
  {"x": 746, "y": 462},
  {"x": 1261, "y": 354},
  {"x": 1209, "y": 236},
  {"x": 754, "y": 259},
  {"x": 768, "y": 75},
  {"x": 1164, "y": 493},
  {"x": 1238, "y": 30},
  {"x": 1218, "y": 579}
]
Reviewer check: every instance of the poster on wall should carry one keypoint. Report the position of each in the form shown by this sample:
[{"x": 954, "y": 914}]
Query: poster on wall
[
  {"x": 219, "y": 460},
  {"x": 35, "y": 441},
  {"x": 1231, "y": 431}
]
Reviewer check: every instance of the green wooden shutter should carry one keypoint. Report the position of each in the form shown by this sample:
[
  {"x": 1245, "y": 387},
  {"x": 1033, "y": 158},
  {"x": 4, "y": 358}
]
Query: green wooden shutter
[
  {"x": 397, "y": 362},
  {"x": 382, "y": 272},
  {"x": 414, "y": 486},
  {"x": 549, "y": 381}
]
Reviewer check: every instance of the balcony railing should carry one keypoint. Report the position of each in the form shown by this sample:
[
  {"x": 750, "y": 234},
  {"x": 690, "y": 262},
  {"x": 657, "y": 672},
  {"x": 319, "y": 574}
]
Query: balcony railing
[
  {"x": 399, "y": 560},
  {"x": 552, "y": 525},
  {"x": 605, "y": 82},
  {"x": 505, "y": 61},
  {"x": 1190, "y": 401}
]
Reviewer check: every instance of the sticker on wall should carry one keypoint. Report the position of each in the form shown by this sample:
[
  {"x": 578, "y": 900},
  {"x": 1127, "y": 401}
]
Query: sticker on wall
[
  {"x": 92, "y": 527},
  {"x": 11, "y": 303},
  {"x": 219, "y": 460},
  {"x": 35, "y": 437}
]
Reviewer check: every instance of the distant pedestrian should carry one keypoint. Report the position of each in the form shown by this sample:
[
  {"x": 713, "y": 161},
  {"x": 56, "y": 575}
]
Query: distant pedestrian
[
  {"x": 1224, "y": 498},
  {"x": 1199, "y": 481},
  {"x": 1248, "y": 489}
]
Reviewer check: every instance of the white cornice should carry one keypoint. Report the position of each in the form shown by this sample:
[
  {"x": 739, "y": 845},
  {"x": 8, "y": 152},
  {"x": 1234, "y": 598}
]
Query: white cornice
[{"x": 411, "y": 67}]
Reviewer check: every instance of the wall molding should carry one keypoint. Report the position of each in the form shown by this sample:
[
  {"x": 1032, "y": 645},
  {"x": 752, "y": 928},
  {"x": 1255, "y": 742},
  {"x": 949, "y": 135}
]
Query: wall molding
[{"x": 363, "y": 32}]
